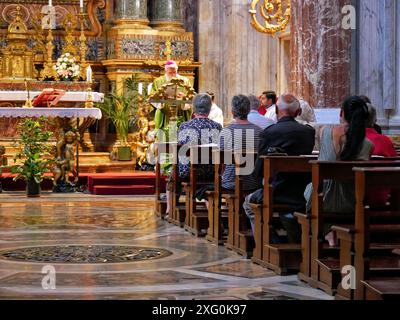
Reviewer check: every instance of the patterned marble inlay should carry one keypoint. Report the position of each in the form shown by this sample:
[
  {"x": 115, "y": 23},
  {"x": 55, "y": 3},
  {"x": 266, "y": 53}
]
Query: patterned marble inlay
[
  {"x": 84, "y": 254},
  {"x": 179, "y": 49},
  {"x": 137, "y": 47}
]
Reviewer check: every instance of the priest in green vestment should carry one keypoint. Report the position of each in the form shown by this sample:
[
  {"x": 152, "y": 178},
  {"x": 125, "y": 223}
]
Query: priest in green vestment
[{"x": 185, "y": 111}]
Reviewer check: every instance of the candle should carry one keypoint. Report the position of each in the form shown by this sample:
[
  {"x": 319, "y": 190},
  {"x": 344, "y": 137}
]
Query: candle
[
  {"x": 89, "y": 74},
  {"x": 81, "y": 4},
  {"x": 50, "y": 3},
  {"x": 149, "y": 88},
  {"x": 140, "y": 89}
]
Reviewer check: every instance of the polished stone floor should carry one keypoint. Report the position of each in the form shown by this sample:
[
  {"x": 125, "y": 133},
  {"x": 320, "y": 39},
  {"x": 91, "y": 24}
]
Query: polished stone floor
[{"x": 70, "y": 230}]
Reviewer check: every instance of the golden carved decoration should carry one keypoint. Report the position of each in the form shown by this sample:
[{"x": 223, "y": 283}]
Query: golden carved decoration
[
  {"x": 275, "y": 18},
  {"x": 17, "y": 58},
  {"x": 69, "y": 24},
  {"x": 82, "y": 46},
  {"x": 168, "y": 50}
]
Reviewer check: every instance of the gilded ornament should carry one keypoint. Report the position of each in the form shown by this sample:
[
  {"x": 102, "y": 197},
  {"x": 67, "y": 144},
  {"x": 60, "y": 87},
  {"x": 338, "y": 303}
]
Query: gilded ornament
[{"x": 275, "y": 18}]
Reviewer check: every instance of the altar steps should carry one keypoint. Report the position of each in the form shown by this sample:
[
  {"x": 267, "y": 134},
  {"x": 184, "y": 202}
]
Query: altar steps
[
  {"x": 122, "y": 184},
  {"x": 135, "y": 184}
]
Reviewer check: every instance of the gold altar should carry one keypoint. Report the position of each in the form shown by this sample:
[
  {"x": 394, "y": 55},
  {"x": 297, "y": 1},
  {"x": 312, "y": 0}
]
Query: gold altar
[{"x": 116, "y": 46}]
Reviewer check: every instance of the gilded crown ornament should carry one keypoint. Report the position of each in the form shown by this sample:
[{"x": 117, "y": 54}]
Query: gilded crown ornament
[{"x": 275, "y": 18}]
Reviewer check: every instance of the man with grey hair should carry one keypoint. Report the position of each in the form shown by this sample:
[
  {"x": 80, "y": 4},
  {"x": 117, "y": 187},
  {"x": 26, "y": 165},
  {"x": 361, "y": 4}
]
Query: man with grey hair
[
  {"x": 200, "y": 130},
  {"x": 294, "y": 139},
  {"x": 255, "y": 117}
]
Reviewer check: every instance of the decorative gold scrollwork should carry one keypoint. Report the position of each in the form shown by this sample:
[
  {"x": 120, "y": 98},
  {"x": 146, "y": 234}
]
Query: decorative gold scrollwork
[{"x": 276, "y": 19}]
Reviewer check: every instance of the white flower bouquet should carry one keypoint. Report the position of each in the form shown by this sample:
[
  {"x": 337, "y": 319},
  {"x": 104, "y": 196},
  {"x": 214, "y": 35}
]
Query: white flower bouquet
[{"x": 67, "y": 67}]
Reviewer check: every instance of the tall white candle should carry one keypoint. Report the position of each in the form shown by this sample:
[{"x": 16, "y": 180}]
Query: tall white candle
[
  {"x": 140, "y": 89},
  {"x": 149, "y": 88},
  {"x": 50, "y": 3},
  {"x": 89, "y": 74},
  {"x": 81, "y": 4}
]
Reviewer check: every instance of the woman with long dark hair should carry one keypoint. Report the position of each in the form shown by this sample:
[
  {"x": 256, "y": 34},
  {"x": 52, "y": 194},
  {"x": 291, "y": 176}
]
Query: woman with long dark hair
[{"x": 345, "y": 142}]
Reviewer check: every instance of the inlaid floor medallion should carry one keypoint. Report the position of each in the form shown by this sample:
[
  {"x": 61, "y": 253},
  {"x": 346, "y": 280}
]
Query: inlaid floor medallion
[{"x": 84, "y": 254}]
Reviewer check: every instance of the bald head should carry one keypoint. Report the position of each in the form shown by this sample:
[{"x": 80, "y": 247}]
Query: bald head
[{"x": 288, "y": 105}]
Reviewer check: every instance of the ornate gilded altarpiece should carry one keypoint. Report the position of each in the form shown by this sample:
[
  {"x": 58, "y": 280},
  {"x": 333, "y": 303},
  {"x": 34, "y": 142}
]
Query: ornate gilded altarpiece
[{"x": 116, "y": 48}]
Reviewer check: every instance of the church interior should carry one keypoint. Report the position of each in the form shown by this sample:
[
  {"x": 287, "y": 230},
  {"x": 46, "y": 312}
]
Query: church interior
[{"x": 103, "y": 101}]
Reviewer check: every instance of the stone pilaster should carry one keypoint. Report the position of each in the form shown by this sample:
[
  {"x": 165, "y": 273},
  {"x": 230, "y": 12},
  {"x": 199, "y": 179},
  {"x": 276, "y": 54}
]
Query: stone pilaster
[{"x": 167, "y": 15}]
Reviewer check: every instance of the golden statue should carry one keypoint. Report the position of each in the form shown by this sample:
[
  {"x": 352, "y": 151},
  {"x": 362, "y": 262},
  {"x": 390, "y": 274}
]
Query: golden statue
[
  {"x": 141, "y": 149},
  {"x": 64, "y": 153},
  {"x": 17, "y": 59}
]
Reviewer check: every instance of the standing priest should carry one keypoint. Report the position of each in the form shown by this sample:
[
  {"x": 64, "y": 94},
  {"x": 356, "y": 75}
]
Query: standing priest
[{"x": 161, "y": 118}]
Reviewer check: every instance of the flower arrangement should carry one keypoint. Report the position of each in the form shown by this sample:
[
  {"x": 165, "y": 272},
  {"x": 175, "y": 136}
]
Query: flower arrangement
[{"x": 67, "y": 67}]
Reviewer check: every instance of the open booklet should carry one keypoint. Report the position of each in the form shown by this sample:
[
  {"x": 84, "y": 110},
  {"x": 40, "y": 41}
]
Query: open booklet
[{"x": 48, "y": 98}]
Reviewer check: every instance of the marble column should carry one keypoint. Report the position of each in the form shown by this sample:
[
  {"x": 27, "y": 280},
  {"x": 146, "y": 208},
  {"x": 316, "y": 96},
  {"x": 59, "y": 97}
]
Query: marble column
[
  {"x": 166, "y": 15},
  {"x": 132, "y": 12},
  {"x": 321, "y": 52}
]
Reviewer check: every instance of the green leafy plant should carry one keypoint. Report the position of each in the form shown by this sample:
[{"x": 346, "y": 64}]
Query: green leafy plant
[
  {"x": 34, "y": 151},
  {"x": 122, "y": 109}
]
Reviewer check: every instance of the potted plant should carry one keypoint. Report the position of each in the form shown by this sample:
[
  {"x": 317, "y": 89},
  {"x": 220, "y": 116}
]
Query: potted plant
[
  {"x": 122, "y": 112},
  {"x": 32, "y": 160}
]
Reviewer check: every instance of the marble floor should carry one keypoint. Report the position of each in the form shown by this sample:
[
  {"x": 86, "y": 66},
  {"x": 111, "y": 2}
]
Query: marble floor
[{"x": 96, "y": 244}]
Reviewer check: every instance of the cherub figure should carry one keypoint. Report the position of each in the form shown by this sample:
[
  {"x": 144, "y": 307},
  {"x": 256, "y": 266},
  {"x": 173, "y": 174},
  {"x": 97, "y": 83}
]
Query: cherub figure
[
  {"x": 71, "y": 138},
  {"x": 65, "y": 162},
  {"x": 141, "y": 149},
  {"x": 143, "y": 124}
]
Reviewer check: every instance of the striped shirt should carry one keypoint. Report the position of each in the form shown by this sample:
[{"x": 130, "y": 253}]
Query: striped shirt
[{"x": 240, "y": 137}]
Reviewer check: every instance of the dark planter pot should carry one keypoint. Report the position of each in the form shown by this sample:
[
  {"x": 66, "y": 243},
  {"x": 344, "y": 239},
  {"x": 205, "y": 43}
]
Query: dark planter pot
[
  {"x": 124, "y": 154},
  {"x": 32, "y": 189}
]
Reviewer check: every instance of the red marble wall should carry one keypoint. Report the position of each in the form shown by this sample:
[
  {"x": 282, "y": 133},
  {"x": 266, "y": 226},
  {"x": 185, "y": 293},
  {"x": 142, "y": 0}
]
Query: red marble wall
[{"x": 320, "y": 52}]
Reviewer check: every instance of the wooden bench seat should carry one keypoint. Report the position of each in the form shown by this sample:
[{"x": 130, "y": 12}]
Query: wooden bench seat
[
  {"x": 282, "y": 259},
  {"x": 384, "y": 289},
  {"x": 340, "y": 172},
  {"x": 370, "y": 243}
]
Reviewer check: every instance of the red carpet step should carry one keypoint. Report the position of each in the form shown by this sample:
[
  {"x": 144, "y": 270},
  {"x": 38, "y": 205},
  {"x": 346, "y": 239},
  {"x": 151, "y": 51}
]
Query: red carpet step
[
  {"x": 123, "y": 184},
  {"x": 137, "y": 183}
]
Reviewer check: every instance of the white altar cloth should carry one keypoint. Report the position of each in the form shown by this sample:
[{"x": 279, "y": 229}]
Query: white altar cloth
[
  {"x": 70, "y": 96},
  {"x": 92, "y": 113}
]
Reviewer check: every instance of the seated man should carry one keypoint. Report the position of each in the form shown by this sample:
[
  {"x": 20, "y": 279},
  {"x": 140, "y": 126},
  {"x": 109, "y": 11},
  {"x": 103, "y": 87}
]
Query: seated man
[
  {"x": 198, "y": 131},
  {"x": 294, "y": 139},
  {"x": 255, "y": 117}
]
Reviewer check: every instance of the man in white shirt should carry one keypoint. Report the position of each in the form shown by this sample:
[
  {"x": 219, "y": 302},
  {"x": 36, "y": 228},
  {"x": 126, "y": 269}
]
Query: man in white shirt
[
  {"x": 271, "y": 107},
  {"x": 216, "y": 113},
  {"x": 255, "y": 117}
]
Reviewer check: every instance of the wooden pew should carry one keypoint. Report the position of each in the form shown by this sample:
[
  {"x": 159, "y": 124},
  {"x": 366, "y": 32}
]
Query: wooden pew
[
  {"x": 370, "y": 245},
  {"x": 161, "y": 204},
  {"x": 196, "y": 221},
  {"x": 324, "y": 261},
  {"x": 221, "y": 201},
  {"x": 240, "y": 237},
  {"x": 177, "y": 207},
  {"x": 281, "y": 258}
]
